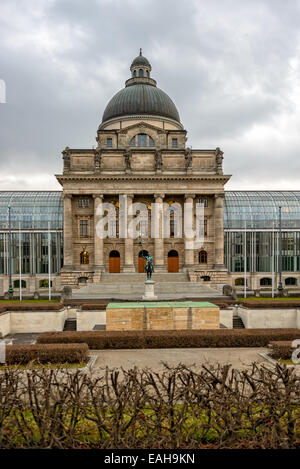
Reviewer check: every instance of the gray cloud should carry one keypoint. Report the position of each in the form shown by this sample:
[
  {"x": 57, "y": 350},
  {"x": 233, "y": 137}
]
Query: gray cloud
[{"x": 231, "y": 67}]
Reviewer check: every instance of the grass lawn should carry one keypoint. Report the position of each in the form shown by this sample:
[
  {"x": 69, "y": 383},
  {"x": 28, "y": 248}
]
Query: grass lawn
[
  {"x": 43, "y": 365},
  {"x": 287, "y": 362}
]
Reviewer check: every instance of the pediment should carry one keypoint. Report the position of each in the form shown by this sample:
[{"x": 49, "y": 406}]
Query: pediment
[{"x": 142, "y": 128}]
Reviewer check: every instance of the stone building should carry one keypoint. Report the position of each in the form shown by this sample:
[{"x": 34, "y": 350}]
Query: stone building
[{"x": 142, "y": 153}]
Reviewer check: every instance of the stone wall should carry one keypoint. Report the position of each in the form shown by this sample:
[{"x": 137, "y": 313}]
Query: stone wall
[
  {"x": 86, "y": 320},
  {"x": 226, "y": 317},
  {"x": 32, "y": 284},
  {"x": 270, "y": 318},
  {"x": 216, "y": 277},
  {"x": 162, "y": 316},
  {"x": 72, "y": 277},
  {"x": 16, "y": 322}
]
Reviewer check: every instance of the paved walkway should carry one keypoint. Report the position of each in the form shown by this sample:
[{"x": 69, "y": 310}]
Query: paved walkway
[{"x": 240, "y": 358}]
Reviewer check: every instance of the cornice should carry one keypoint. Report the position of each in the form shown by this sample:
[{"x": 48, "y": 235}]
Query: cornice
[{"x": 142, "y": 177}]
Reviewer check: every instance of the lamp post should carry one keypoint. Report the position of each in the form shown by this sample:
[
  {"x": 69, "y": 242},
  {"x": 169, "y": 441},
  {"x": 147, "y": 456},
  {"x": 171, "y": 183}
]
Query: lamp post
[
  {"x": 10, "y": 289},
  {"x": 280, "y": 255}
]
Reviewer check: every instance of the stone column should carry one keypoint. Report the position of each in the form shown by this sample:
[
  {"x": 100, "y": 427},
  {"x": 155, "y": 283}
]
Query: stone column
[
  {"x": 98, "y": 241},
  {"x": 159, "y": 260},
  {"x": 219, "y": 232},
  {"x": 188, "y": 251},
  {"x": 68, "y": 232},
  {"x": 129, "y": 263}
]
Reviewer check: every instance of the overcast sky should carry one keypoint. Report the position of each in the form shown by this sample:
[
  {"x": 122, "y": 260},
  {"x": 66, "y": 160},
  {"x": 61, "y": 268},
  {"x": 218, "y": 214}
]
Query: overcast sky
[{"x": 231, "y": 66}]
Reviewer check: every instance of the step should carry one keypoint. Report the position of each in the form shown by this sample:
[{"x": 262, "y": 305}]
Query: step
[
  {"x": 135, "y": 291},
  {"x": 70, "y": 325},
  {"x": 164, "y": 287},
  {"x": 127, "y": 278},
  {"x": 238, "y": 323}
]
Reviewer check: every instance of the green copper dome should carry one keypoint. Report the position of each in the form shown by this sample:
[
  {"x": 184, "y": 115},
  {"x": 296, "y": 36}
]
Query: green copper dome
[
  {"x": 141, "y": 99},
  {"x": 140, "y": 96}
]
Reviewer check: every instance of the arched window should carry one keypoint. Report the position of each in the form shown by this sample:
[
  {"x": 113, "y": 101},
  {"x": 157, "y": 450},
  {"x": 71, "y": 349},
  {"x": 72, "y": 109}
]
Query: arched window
[
  {"x": 265, "y": 282},
  {"x": 202, "y": 257},
  {"x": 240, "y": 282},
  {"x": 141, "y": 73},
  {"x": 290, "y": 281},
  {"x": 147, "y": 73},
  {"x": 173, "y": 253},
  {"x": 142, "y": 140},
  {"x": 206, "y": 278},
  {"x": 17, "y": 284},
  {"x": 134, "y": 73},
  {"x": 82, "y": 280},
  {"x": 114, "y": 254},
  {"x": 45, "y": 283},
  {"x": 84, "y": 257}
]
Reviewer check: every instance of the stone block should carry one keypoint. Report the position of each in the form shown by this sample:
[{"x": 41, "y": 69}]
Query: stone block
[{"x": 162, "y": 316}]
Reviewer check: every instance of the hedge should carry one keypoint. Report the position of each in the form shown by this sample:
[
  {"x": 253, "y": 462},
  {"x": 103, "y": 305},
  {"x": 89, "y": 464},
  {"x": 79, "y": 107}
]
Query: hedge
[
  {"x": 47, "y": 353},
  {"x": 223, "y": 304},
  {"x": 281, "y": 349},
  {"x": 31, "y": 307},
  {"x": 176, "y": 408},
  {"x": 270, "y": 304},
  {"x": 216, "y": 338},
  {"x": 93, "y": 306}
]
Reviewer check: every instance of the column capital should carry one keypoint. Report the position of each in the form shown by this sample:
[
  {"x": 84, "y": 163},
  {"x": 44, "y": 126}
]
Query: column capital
[
  {"x": 98, "y": 196},
  {"x": 129, "y": 195},
  {"x": 67, "y": 196},
  {"x": 217, "y": 196},
  {"x": 162, "y": 196},
  {"x": 189, "y": 196}
]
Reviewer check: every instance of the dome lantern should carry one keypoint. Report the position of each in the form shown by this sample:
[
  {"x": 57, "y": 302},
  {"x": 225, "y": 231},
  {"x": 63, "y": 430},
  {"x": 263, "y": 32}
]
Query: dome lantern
[
  {"x": 140, "y": 67},
  {"x": 140, "y": 96}
]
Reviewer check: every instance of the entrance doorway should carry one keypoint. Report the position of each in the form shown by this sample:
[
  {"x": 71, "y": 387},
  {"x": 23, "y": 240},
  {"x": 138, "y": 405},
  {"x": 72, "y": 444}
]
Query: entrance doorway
[
  {"x": 173, "y": 261},
  {"x": 142, "y": 261},
  {"x": 114, "y": 262}
]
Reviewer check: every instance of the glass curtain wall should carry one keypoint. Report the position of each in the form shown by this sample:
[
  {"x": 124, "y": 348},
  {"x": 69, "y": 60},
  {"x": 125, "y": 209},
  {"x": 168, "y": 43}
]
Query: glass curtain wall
[
  {"x": 33, "y": 215},
  {"x": 257, "y": 214}
]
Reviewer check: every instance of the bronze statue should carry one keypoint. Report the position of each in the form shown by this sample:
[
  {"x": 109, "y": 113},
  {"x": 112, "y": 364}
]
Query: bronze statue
[{"x": 149, "y": 265}]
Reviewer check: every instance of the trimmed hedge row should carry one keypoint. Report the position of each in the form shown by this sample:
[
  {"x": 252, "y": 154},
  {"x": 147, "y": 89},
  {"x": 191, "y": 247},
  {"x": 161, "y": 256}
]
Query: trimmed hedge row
[
  {"x": 281, "y": 349},
  {"x": 31, "y": 307},
  {"x": 270, "y": 304},
  {"x": 216, "y": 338},
  {"x": 223, "y": 304},
  {"x": 47, "y": 353},
  {"x": 93, "y": 306}
]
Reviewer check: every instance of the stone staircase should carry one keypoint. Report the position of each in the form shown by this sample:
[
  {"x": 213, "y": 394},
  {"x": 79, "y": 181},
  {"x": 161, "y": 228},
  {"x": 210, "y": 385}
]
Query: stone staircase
[
  {"x": 168, "y": 286},
  {"x": 140, "y": 278},
  {"x": 70, "y": 324},
  {"x": 238, "y": 323}
]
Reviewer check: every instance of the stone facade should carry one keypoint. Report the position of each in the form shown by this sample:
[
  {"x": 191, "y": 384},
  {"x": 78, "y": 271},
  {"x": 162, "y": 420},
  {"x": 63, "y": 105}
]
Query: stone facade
[
  {"x": 162, "y": 316},
  {"x": 160, "y": 168}
]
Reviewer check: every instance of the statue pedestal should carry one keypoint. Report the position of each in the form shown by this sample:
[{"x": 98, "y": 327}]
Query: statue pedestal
[{"x": 149, "y": 290}]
